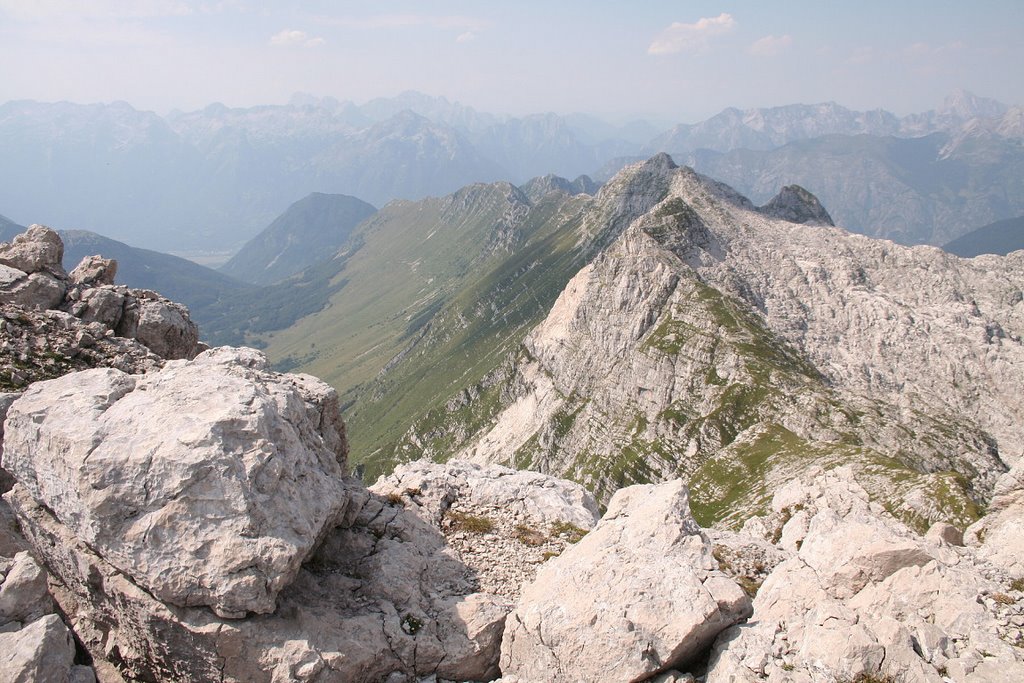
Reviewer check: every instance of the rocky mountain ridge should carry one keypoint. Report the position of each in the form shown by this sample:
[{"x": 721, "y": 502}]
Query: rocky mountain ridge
[
  {"x": 194, "y": 521},
  {"x": 714, "y": 342},
  {"x": 209, "y": 180},
  {"x": 311, "y": 231}
]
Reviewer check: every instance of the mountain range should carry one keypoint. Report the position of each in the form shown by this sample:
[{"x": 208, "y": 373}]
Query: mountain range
[
  {"x": 209, "y": 180},
  {"x": 664, "y": 327}
]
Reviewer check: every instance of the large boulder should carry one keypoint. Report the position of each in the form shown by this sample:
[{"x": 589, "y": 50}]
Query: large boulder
[
  {"x": 163, "y": 326},
  {"x": 94, "y": 270},
  {"x": 41, "y": 651},
  {"x": 35, "y": 290},
  {"x": 639, "y": 594},
  {"x": 199, "y": 526},
  {"x": 381, "y": 597},
  {"x": 37, "y": 249},
  {"x": 208, "y": 482}
]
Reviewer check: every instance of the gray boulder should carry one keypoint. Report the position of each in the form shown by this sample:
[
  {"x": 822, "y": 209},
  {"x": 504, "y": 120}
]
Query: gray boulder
[
  {"x": 163, "y": 326},
  {"x": 94, "y": 270},
  {"x": 41, "y": 652},
  {"x": 640, "y": 594},
  {"x": 207, "y": 482},
  {"x": 37, "y": 249},
  {"x": 35, "y": 290}
]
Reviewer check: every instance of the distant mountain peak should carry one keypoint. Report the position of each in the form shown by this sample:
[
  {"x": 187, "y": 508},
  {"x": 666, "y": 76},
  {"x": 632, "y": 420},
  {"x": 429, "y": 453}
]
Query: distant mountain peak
[
  {"x": 966, "y": 105},
  {"x": 796, "y": 205}
]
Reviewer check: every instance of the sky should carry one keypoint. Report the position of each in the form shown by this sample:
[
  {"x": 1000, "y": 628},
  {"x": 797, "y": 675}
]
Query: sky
[{"x": 673, "y": 61}]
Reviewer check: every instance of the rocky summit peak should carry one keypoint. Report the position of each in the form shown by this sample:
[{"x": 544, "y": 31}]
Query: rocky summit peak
[
  {"x": 796, "y": 205},
  {"x": 660, "y": 161}
]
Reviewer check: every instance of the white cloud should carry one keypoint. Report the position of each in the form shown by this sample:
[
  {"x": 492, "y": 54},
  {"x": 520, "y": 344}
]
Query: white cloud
[
  {"x": 694, "y": 37},
  {"x": 294, "y": 38},
  {"x": 770, "y": 46},
  {"x": 467, "y": 37}
]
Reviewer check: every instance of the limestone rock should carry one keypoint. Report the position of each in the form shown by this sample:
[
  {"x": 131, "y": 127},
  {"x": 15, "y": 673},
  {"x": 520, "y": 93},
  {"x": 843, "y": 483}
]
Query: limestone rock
[
  {"x": 543, "y": 499},
  {"x": 379, "y": 597},
  {"x": 37, "y": 249},
  {"x": 41, "y": 651},
  {"x": 638, "y": 595},
  {"x": 796, "y": 205},
  {"x": 35, "y": 290},
  {"x": 709, "y": 334},
  {"x": 94, "y": 270},
  {"x": 162, "y": 325},
  {"x": 23, "y": 592},
  {"x": 206, "y": 482},
  {"x": 501, "y": 523},
  {"x": 941, "y": 532},
  {"x": 1000, "y": 534},
  {"x": 864, "y": 596},
  {"x": 101, "y": 304}
]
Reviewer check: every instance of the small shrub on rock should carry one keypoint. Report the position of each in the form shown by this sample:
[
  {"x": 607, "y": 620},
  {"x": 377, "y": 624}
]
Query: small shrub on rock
[
  {"x": 474, "y": 524},
  {"x": 568, "y": 531}
]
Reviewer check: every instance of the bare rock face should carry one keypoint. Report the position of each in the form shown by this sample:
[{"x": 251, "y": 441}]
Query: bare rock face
[
  {"x": 199, "y": 526},
  {"x": 42, "y": 651},
  {"x": 999, "y": 536},
  {"x": 37, "y": 249},
  {"x": 207, "y": 482},
  {"x": 35, "y": 645},
  {"x": 545, "y": 500},
  {"x": 380, "y": 597},
  {"x": 94, "y": 270},
  {"x": 163, "y": 326},
  {"x": 796, "y": 205},
  {"x": 860, "y": 595},
  {"x": 501, "y": 523},
  {"x": 640, "y": 594}
]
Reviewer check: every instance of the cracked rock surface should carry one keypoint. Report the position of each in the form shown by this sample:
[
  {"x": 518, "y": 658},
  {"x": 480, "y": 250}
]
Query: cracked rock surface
[
  {"x": 860, "y": 595},
  {"x": 640, "y": 594},
  {"x": 207, "y": 482},
  {"x": 502, "y": 523}
]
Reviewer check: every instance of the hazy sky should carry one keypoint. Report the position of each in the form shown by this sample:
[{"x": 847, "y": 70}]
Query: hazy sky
[{"x": 680, "y": 61}]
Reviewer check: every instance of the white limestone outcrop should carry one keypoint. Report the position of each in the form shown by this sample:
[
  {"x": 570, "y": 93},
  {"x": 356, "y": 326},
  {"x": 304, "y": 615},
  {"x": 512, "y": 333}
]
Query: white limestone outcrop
[
  {"x": 639, "y": 594},
  {"x": 208, "y": 482}
]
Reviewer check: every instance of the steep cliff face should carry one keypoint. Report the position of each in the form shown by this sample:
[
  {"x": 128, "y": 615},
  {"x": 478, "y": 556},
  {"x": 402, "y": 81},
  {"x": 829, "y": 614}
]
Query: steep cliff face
[{"x": 714, "y": 342}]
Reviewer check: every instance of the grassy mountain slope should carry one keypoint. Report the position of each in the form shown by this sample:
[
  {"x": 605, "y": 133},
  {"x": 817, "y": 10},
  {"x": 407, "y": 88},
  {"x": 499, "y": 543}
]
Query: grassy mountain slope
[
  {"x": 308, "y": 233},
  {"x": 1000, "y": 237}
]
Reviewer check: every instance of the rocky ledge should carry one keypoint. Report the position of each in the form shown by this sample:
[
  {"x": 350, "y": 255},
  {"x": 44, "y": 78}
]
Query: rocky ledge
[
  {"x": 394, "y": 583},
  {"x": 54, "y": 322}
]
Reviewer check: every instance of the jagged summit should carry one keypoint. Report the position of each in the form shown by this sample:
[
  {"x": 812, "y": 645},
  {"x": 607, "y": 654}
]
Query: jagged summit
[{"x": 796, "y": 205}]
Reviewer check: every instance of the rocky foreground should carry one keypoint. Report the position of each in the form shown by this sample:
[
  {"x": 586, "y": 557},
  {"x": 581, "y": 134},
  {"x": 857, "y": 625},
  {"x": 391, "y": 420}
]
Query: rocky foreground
[
  {"x": 196, "y": 524},
  {"x": 192, "y": 519}
]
